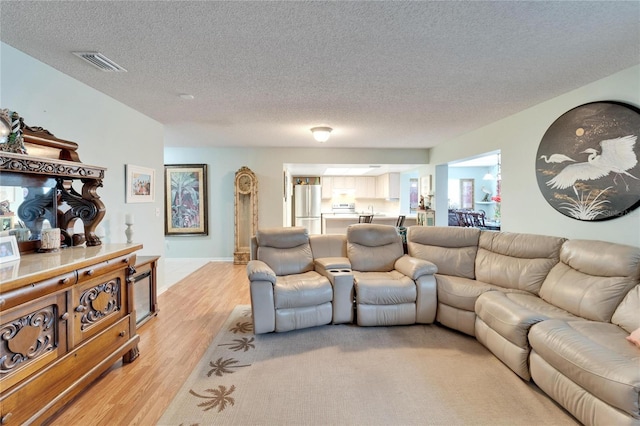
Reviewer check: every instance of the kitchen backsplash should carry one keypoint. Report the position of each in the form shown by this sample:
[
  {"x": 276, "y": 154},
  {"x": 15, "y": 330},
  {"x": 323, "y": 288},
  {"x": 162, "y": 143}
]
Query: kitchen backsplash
[{"x": 362, "y": 204}]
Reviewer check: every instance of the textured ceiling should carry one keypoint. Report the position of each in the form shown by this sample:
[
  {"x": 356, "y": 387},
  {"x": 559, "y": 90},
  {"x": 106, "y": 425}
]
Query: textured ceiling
[{"x": 382, "y": 74}]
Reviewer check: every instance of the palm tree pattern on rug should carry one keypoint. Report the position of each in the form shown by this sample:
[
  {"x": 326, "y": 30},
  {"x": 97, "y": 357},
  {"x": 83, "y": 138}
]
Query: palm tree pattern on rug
[{"x": 221, "y": 397}]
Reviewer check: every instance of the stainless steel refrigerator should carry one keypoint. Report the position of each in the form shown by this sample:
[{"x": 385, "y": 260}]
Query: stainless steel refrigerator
[{"x": 307, "y": 207}]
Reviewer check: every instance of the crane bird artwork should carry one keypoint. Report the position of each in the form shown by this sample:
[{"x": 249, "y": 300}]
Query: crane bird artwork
[
  {"x": 616, "y": 156},
  {"x": 556, "y": 158},
  {"x": 587, "y": 164}
]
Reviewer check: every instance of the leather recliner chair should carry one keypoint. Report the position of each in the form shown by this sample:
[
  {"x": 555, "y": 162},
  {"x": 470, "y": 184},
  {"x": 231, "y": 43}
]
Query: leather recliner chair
[
  {"x": 391, "y": 288},
  {"x": 286, "y": 292}
]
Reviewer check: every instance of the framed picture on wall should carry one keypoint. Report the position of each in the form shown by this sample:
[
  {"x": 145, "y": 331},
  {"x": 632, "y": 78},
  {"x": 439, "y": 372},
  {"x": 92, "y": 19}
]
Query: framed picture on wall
[
  {"x": 466, "y": 194},
  {"x": 185, "y": 197},
  {"x": 140, "y": 184},
  {"x": 587, "y": 162}
]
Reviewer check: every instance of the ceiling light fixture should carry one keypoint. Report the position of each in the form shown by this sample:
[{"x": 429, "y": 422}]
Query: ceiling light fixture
[
  {"x": 321, "y": 134},
  {"x": 186, "y": 96}
]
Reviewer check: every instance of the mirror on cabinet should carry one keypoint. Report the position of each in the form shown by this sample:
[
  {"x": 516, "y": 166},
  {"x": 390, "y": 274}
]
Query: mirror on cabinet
[{"x": 43, "y": 184}]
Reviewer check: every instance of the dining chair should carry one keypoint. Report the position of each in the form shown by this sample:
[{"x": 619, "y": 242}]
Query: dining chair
[
  {"x": 400, "y": 221},
  {"x": 365, "y": 218}
]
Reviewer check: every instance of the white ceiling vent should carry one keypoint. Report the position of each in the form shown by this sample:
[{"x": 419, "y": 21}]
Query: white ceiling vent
[{"x": 100, "y": 61}]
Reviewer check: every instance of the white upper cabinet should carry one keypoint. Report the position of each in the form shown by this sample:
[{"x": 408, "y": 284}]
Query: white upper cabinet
[
  {"x": 327, "y": 187},
  {"x": 388, "y": 186},
  {"x": 365, "y": 187}
]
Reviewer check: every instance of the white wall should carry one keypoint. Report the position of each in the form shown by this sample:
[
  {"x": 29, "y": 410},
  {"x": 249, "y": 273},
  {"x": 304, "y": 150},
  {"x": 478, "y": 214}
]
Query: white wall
[
  {"x": 267, "y": 163},
  {"x": 518, "y": 136},
  {"x": 109, "y": 134}
]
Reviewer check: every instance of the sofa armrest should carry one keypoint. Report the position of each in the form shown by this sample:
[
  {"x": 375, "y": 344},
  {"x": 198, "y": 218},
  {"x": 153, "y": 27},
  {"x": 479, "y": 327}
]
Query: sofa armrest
[
  {"x": 414, "y": 267},
  {"x": 324, "y": 264},
  {"x": 257, "y": 270}
]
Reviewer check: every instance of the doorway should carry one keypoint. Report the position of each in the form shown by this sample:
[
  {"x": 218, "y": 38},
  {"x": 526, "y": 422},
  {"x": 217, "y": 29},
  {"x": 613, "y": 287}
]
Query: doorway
[{"x": 475, "y": 184}]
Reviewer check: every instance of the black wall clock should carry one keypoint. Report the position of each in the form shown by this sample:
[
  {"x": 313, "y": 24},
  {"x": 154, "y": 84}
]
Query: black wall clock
[{"x": 588, "y": 161}]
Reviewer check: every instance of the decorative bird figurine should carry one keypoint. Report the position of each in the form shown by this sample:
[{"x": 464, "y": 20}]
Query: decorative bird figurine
[
  {"x": 616, "y": 156},
  {"x": 556, "y": 158},
  {"x": 487, "y": 194}
]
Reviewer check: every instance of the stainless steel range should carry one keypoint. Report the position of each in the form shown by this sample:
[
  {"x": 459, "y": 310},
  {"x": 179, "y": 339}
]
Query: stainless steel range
[{"x": 343, "y": 208}]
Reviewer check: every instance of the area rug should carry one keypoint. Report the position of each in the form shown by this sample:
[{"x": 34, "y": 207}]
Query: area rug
[{"x": 350, "y": 375}]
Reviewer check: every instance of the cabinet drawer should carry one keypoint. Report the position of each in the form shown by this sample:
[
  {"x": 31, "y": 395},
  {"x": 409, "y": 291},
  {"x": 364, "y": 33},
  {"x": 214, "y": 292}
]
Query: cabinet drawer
[
  {"x": 107, "y": 266},
  {"x": 24, "y": 294},
  {"x": 97, "y": 304},
  {"x": 46, "y": 391},
  {"x": 33, "y": 336}
]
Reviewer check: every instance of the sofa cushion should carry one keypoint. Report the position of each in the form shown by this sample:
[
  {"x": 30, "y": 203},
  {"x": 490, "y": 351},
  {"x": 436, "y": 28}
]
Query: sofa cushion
[
  {"x": 511, "y": 315},
  {"x": 592, "y": 278},
  {"x": 282, "y": 238},
  {"x": 301, "y": 290},
  {"x": 328, "y": 245},
  {"x": 516, "y": 261},
  {"x": 373, "y": 248},
  {"x": 452, "y": 250},
  {"x": 627, "y": 314},
  {"x": 460, "y": 292},
  {"x": 384, "y": 288},
  {"x": 285, "y": 250},
  {"x": 595, "y": 356}
]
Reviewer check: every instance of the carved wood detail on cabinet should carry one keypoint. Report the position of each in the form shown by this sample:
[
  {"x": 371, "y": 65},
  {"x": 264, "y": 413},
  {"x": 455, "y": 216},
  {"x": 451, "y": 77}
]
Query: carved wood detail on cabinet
[
  {"x": 98, "y": 302},
  {"x": 62, "y": 327},
  {"x": 26, "y": 338},
  {"x": 47, "y": 168}
]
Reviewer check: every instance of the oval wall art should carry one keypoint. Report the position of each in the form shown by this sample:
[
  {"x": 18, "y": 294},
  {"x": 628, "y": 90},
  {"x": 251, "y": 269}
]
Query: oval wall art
[{"x": 588, "y": 161}]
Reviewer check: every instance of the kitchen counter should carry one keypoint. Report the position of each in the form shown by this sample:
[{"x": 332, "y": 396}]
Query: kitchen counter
[{"x": 338, "y": 223}]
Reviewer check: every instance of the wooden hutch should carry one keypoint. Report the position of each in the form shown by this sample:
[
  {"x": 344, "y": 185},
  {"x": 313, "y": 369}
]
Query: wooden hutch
[{"x": 66, "y": 316}]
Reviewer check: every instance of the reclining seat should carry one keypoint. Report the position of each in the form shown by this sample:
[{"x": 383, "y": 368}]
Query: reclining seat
[
  {"x": 453, "y": 250},
  {"x": 589, "y": 281},
  {"x": 286, "y": 292},
  {"x": 589, "y": 367},
  {"x": 391, "y": 288}
]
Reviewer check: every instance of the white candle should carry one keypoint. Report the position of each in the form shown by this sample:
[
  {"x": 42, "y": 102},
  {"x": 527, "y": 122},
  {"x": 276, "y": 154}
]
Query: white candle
[{"x": 128, "y": 218}]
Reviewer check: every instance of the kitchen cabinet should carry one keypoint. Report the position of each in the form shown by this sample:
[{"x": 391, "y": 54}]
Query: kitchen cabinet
[
  {"x": 327, "y": 187},
  {"x": 388, "y": 186},
  {"x": 365, "y": 187},
  {"x": 66, "y": 318},
  {"x": 344, "y": 182}
]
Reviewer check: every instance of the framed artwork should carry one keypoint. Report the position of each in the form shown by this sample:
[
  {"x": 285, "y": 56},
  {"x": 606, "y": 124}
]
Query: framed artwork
[
  {"x": 587, "y": 162},
  {"x": 9, "y": 249},
  {"x": 466, "y": 194},
  {"x": 185, "y": 197},
  {"x": 6, "y": 223},
  {"x": 140, "y": 183}
]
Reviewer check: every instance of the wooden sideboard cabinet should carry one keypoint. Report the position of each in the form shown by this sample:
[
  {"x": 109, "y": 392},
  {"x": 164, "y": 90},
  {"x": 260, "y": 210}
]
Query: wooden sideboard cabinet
[{"x": 65, "y": 318}]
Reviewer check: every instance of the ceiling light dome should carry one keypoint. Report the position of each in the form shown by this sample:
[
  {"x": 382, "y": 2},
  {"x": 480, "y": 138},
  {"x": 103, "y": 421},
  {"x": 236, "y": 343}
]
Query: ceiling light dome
[{"x": 321, "y": 134}]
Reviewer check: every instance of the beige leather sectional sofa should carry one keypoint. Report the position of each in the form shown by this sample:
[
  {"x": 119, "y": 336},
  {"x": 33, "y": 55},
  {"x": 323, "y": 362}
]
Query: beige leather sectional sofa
[{"x": 555, "y": 311}]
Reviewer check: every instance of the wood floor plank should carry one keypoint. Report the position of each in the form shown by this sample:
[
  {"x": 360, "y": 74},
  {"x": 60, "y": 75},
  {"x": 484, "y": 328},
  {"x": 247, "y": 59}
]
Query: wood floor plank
[{"x": 171, "y": 344}]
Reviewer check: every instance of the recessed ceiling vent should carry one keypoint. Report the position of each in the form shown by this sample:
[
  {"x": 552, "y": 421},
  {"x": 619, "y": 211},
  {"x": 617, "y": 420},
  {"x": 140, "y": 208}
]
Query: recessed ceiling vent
[{"x": 100, "y": 61}]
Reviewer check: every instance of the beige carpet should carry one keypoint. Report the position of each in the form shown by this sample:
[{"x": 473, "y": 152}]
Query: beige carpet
[{"x": 349, "y": 375}]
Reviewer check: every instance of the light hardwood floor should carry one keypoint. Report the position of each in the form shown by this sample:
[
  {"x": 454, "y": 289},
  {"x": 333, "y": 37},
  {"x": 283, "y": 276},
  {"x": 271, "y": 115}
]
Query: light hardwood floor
[{"x": 191, "y": 314}]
